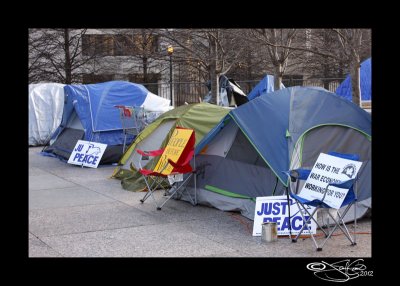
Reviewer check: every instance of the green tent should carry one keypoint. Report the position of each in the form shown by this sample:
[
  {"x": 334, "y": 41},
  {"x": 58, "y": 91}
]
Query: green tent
[{"x": 202, "y": 117}]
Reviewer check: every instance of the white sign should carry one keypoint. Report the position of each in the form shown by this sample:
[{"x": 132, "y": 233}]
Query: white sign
[
  {"x": 275, "y": 209},
  {"x": 175, "y": 178},
  {"x": 329, "y": 169},
  {"x": 87, "y": 154}
]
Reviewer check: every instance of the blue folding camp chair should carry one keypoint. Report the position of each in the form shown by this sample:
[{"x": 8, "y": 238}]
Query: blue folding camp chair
[{"x": 298, "y": 175}]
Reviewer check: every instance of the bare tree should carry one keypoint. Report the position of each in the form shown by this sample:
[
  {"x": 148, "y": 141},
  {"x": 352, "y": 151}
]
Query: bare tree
[
  {"x": 282, "y": 43},
  {"x": 278, "y": 44},
  {"x": 57, "y": 55},
  {"x": 328, "y": 63},
  {"x": 352, "y": 43},
  {"x": 214, "y": 50},
  {"x": 37, "y": 47},
  {"x": 141, "y": 48}
]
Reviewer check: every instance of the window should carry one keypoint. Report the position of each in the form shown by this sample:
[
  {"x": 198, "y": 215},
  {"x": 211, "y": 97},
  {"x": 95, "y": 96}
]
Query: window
[
  {"x": 102, "y": 45},
  {"x": 119, "y": 45},
  {"x": 96, "y": 78}
]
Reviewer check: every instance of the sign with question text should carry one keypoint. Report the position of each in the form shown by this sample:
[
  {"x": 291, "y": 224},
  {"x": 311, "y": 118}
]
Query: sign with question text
[{"x": 329, "y": 169}]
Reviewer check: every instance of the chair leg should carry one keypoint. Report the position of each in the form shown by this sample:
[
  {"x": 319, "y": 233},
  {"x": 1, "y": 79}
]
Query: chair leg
[
  {"x": 305, "y": 224},
  {"x": 355, "y": 222},
  {"x": 175, "y": 190},
  {"x": 347, "y": 232},
  {"x": 150, "y": 188},
  {"x": 343, "y": 229}
]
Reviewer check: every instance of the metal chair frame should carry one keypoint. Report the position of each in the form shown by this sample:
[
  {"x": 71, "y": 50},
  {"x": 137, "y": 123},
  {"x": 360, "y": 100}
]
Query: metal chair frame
[{"x": 302, "y": 174}]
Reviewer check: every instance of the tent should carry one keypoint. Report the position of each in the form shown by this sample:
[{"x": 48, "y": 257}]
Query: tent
[
  {"x": 344, "y": 89},
  {"x": 202, "y": 117},
  {"x": 234, "y": 94},
  {"x": 230, "y": 92},
  {"x": 90, "y": 114},
  {"x": 46, "y": 102},
  {"x": 265, "y": 85},
  {"x": 245, "y": 154}
]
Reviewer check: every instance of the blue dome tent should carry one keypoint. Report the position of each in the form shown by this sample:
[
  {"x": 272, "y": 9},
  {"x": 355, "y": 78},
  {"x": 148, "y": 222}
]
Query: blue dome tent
[{"x": 90, "y": 114}]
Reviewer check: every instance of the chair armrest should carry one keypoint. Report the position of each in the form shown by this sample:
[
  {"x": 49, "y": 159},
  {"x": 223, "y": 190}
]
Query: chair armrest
[
  {"x": 152, "y": 153},
  {"x": 189, "y": 157},
  {"x": 297, "y": 174},
  {"x": 343, "y": 185}
]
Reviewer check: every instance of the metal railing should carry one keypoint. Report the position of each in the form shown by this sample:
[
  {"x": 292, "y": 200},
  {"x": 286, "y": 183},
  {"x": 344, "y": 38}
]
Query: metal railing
[
  {"x": 182, "y": 92},
  {"x": 192, "y": 92}
]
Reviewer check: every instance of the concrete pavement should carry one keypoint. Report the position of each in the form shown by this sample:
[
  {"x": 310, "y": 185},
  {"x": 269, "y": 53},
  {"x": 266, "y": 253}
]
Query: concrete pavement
[{"x": 82, "y": 212}]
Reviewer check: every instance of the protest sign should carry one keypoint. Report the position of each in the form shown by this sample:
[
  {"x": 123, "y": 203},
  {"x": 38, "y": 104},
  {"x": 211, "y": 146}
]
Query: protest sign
[
  {"x": 87, "y": 154},
  {"x": 276, "y": 209},
  {"x": 329, "y": 169},
  {"x": 173, "y": 150}
]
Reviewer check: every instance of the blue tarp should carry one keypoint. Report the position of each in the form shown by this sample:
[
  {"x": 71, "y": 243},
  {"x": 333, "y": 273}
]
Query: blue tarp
[
  {"x": 266, "y": 85},
  {"x": 95, "y": 107},
  {"x": 344, "y": 88}
]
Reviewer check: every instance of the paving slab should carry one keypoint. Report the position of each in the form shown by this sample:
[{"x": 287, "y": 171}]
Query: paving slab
[
  {"x": 173, "y": 210},
  {"x": 108, "y": 187},
  {"x": 85, "y": 174},
  {"x": 38, "y": 248},
  {"x": 81, "y": 212},
  {"x": 43, "y": 162},
  {"x": 56, "y": 198},
  {"x": 48, "y": 181},
  {"x": 167, "y": 240},
  {"x": 33, "y": 171},
  {"x": 335, "y": 247},
  {"x": 238, "y": 229},
  {"x": 80, "y": 219}
]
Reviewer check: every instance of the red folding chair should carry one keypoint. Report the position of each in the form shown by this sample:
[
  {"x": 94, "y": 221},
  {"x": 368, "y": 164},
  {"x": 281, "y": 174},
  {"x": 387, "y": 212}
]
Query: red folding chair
[{"x": 173, "y": 169}]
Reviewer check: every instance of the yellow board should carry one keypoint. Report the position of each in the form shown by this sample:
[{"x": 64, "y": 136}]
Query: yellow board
[{"x": 173, "y": 150}]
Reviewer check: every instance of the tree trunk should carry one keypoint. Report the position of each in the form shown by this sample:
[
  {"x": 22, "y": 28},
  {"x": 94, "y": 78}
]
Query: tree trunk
[
  {"x": 68, "y": 71},
  {"x": 326, "y": 73},
  {"x": 214, "y": 87},
  {"x": 213, "y": 73},
  {"x": 145, "y": 49},
  {"x": 278, "y": 76},
  {"x": 355, "y": 81},
  {"x": 145, "y": 65}
]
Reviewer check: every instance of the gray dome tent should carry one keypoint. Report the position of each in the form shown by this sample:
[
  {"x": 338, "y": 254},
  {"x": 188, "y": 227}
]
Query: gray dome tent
[{"x": 247, "y": 151}]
